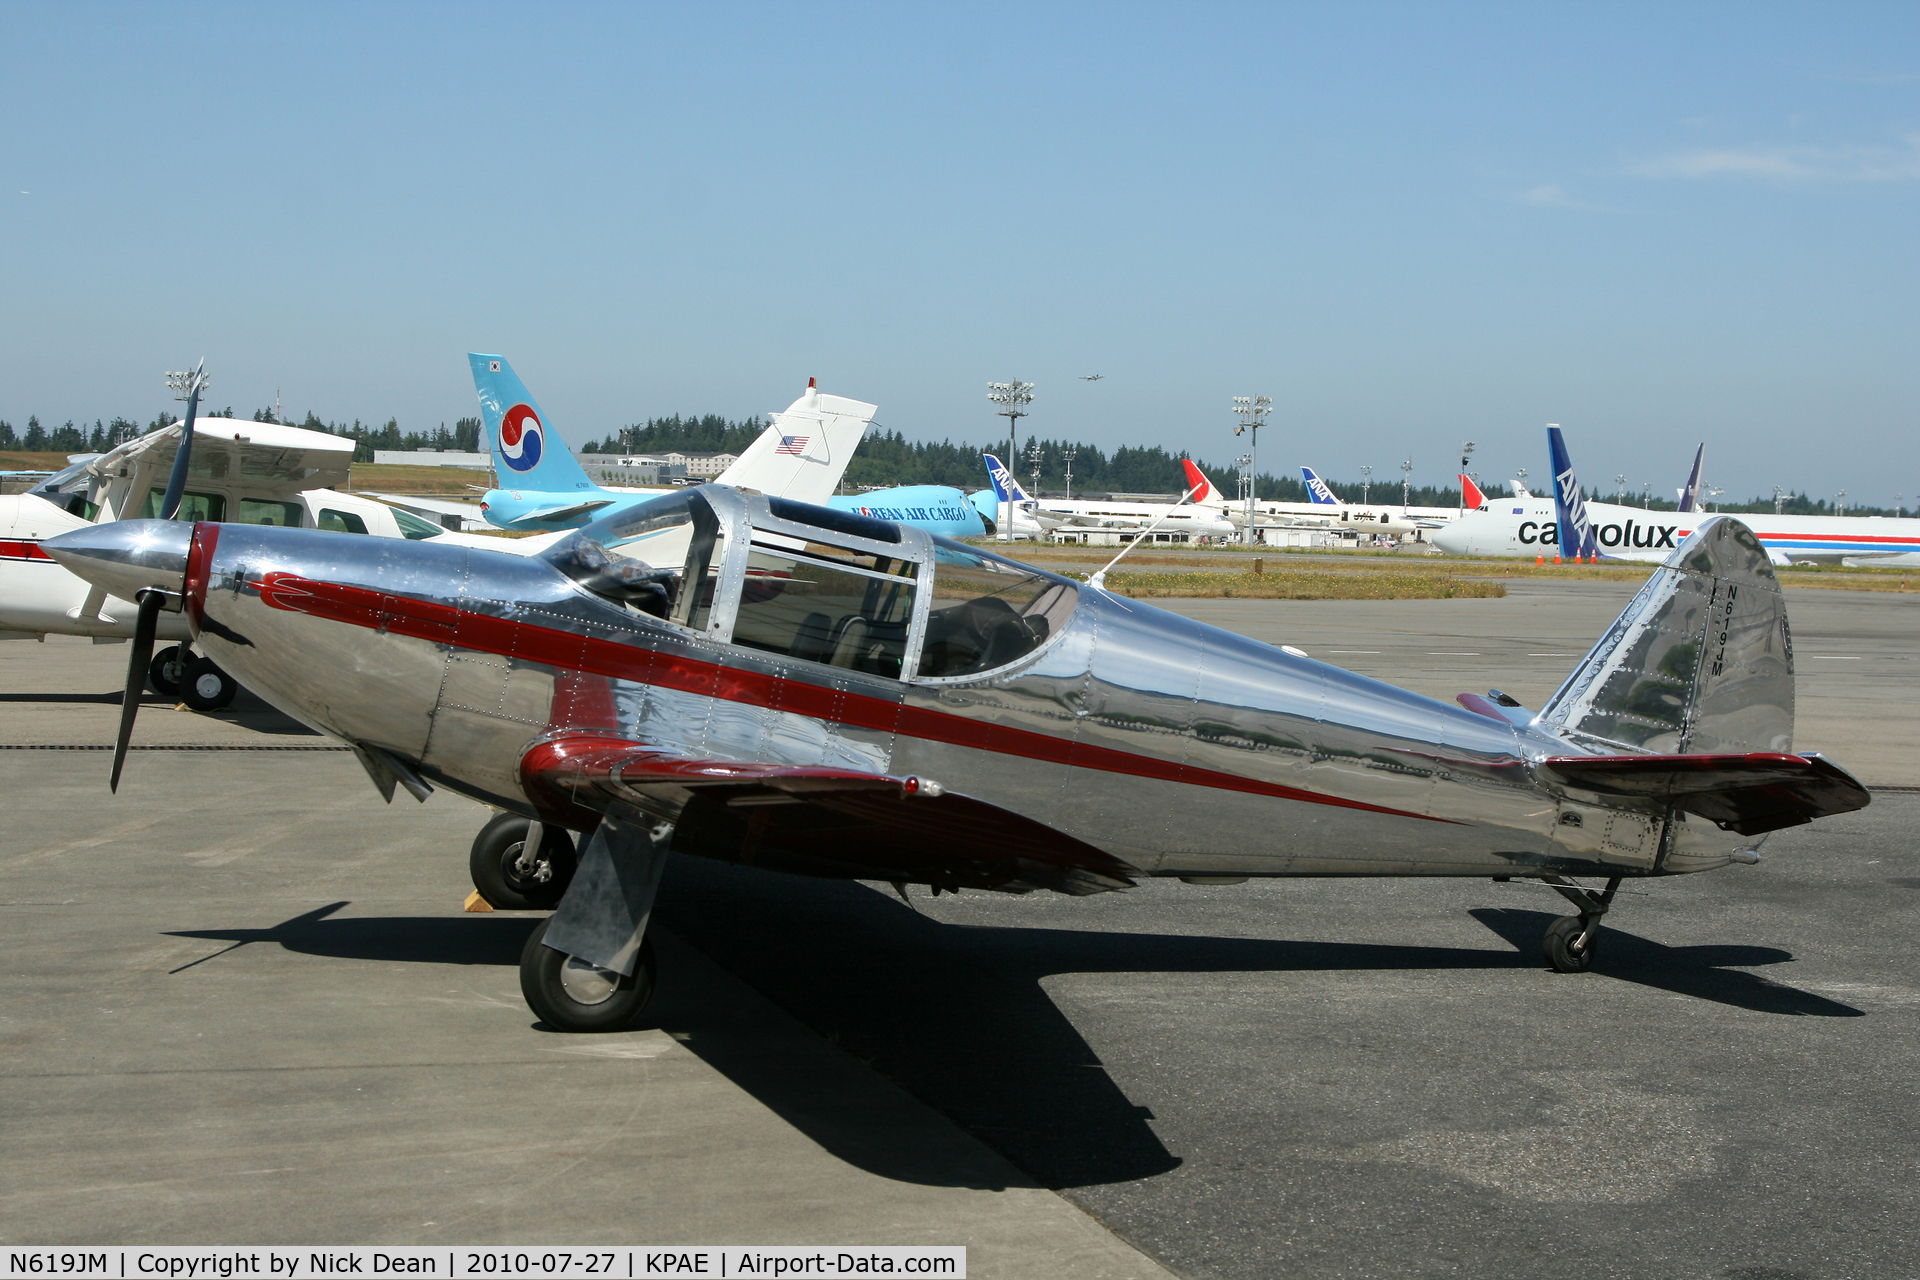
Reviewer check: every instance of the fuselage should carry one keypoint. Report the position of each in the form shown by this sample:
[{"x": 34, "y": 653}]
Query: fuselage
[
  {"x": 1181, "y": 748},
  {"x": 1529, "y": 526}
]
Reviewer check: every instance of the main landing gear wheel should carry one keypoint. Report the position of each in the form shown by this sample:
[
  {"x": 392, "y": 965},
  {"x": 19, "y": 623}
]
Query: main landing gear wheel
[
  {"x": 1562, "y": 945},
  {"x": 510, "y": 880},
  {"x": 206, "y": 687},
  {"x": 168, "y": 669},
  {"x": 569, "y": 994}
]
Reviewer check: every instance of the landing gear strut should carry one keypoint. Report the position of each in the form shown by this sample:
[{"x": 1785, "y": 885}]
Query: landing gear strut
[
  {"x": 1572, "y": 940},
  {"x": 590, "y": 966}
]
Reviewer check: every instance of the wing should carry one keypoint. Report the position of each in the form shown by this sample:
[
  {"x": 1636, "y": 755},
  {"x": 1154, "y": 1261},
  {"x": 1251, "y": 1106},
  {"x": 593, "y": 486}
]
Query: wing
[
  {"x": 841, "y": 823},
  {"x": 1750, "y": 793}
]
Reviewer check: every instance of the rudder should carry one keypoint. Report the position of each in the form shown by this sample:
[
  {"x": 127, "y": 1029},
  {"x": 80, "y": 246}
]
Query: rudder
[{"x": 1700, "y": 662}]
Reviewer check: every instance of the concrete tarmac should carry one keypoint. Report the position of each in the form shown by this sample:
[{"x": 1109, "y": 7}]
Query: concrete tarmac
[{"x": 239, "y": 1003}]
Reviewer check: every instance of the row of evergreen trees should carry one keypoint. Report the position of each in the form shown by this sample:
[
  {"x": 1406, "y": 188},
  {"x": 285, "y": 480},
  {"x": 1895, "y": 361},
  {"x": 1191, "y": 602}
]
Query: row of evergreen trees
[{"x": 883, "y": 458}]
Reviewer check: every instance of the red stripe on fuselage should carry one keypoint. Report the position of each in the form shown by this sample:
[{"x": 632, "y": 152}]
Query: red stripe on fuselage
[
  {"x": 24, "y": 551},
  {"x": 566, "y": 650}
]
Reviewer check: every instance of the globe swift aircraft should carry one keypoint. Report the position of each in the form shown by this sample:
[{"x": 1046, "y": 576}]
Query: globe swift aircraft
[{"x": 730, "y": 675}]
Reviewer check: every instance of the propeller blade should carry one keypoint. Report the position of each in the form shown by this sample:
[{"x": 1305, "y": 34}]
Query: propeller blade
[{"x": 145, "y": 623}]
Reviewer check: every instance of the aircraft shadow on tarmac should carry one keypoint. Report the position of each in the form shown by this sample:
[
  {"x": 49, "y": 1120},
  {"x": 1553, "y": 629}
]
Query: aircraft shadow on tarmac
[
  {"x": 958, "y": 1017},
  {"x": 247, "y": 710}
]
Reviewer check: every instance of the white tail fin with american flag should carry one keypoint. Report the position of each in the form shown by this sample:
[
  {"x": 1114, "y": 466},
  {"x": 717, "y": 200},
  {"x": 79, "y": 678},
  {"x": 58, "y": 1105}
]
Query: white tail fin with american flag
[{"x": 805, "y": 448}]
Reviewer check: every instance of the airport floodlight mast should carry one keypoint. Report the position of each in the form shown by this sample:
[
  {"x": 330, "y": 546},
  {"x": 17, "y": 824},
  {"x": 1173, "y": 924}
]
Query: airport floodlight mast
[
  {"x": 1466, "y": 451},
  {"x": 187, "y": 385},
  {"x": 1406, "y": 485},
  {"x": 1013, "y": 399},
  {"x": 1899, "y": 505},
  {"x": 1068, "y": 458},
  {"x": 1366, "y": 485},
  {"x": 1779, "y": 499},
  {"x": 1034, "y": 455},
  {"x": 1520, "y": 474},
  {"x": 1840, "y": 503},
  {"x": 1620, "y": 487},
  {"x": 1245, "y": 463},
  {"x": 1646, "y": 495},
  {"x": 1714, "y": 491},
  {"x": 1252, "y": 411}
]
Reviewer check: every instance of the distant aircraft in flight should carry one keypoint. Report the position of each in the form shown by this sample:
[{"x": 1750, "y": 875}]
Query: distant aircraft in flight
[{"x": 1092, "y": 377}]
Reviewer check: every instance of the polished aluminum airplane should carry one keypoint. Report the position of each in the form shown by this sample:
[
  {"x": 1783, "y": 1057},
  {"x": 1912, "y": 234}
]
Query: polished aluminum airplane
[{"x": 728, "y": 675}]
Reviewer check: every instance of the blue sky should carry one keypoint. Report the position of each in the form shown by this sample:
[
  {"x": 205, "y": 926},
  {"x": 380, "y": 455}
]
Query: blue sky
[{"x": 1408, "y": 224}]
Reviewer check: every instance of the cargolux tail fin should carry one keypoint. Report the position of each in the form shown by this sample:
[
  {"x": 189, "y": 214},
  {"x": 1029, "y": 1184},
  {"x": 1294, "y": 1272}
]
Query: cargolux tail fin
[
  {"x": 1470, "y": 492},
  {"x": 1204, "y": 494},
  {"x": 527, "y": 453},
  {"x": 1005, "y": 487},
  {"x": 1570, "y": 509},
  {"x": 805, "y": 449},
  {"x": 1317, "y": 489},
  {"x": 1690, "y": 496},
  {"x": 1700, "y": 661}
]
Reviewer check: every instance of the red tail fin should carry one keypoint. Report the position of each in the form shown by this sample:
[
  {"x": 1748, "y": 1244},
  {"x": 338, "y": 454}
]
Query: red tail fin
[
  {"x": 1475, "y": 498},
  {"x": 1197, "y": 481}
]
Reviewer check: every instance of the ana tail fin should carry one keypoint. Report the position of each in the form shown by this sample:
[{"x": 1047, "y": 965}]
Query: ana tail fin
[
  {"x": 1317, "y": 489},
  {"x": 1700, "y": 662},
  {"x": 1005, "y": 487},
  {"x": 1570, "y": 509},
  {"x": 527, "y": 453}
]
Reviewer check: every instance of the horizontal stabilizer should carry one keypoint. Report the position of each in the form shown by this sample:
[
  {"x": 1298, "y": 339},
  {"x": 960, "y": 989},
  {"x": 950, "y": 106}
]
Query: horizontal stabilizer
[
  {"x": 570, "y": 511},
  {"x": 1749, "y": 792},
  {"x": 819, "y": 821}
]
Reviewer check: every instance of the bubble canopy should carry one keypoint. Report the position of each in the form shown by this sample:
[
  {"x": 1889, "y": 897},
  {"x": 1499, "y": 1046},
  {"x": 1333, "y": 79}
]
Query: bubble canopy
[{"x": 796, "y": 581}]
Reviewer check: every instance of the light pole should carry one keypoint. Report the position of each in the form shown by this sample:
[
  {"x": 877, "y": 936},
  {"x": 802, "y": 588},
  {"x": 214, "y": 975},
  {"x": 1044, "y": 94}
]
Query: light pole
[
  {"x": 1013, "y": 399},
  {"x": 1521, "y": 476},
  {"x": 1406, "y": 484},
  {"x": 1899, "y": 507},
  {"x": 1646, "y": 495},
  {"x": 1252, "y": 412},
  {"x": 1714, "y": 491},
  {"x": 1069, "y": 456},
  {"x": 1033, "y": 456},
  {"x": 1779, "y": 499},
  {"x": 1465, "y": 453},
  {"x": 1620, "y": 487},
  {"x": 1840, "y": 503},
  {"x": 1366, "y": 485}
]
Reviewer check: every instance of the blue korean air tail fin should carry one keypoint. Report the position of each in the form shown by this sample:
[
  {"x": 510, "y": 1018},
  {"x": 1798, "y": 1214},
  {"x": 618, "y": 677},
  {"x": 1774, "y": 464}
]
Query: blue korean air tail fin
[
  {"x": 1690, "y": 496},
  {"x": 527, "y": 452},
  {"x": 1005, "y": 487},
  {"x": 1317, "y": 489},
  {"x": 1569, "y": 508}
]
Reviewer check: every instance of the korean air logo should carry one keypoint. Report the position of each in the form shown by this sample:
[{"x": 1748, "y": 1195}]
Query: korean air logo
[{"x": 521, "y": 438}]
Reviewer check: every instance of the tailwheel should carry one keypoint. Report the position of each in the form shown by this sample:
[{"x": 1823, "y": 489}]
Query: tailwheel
[
  {"x": 1563, "y": 948},
  {"x": 569, "y": 994},
  {"x": 513, "y": 877}
]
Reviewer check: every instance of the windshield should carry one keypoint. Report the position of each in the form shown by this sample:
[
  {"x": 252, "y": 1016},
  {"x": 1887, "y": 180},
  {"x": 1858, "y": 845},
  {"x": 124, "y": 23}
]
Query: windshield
[
  {"x": 988, "y": 612},
  {"x": 638, "y": 557}
]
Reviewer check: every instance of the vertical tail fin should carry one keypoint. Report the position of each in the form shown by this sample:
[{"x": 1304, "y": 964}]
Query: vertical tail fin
[
  {"x": 805, "y": 449},
  {"x": 1570, "y": 509},
  {"x": 1317, "y": 489},
  {"x": 1470, "y": 493},
  {"x": 1204, "y": 494},
  {"x": 1701, "y": 661},
  {"x": 1690, "y": 496},
  {"x": 1005, "y": 487},
  {"x": 527, "y": 453}
]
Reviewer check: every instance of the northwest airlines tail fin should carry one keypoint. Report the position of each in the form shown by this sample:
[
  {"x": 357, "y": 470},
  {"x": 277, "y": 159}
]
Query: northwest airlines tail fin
[
  {"x": 1470, "y": 492},
  {"x": 526, "y": 452},
  {"x": 1317, "y": 489},
  {"x": 1570, "y": 509},
  {"x": 1005, "y": 487},
  {"x": 805, "y": 450},
  {"x": 1690, "y": 496},
  {"x": 1204, "y": 494}
]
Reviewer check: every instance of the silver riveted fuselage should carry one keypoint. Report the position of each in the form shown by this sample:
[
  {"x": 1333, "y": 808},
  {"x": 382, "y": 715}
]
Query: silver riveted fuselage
[{"x": 1176, "y": 746}]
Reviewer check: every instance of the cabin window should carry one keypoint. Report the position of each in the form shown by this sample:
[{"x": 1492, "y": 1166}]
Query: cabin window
[
  {"x": 988, "y": 612},
  {"x": 193, "y": 506},
  {"x": 826, "y": 603},
  {"x": 413, "y": 528},
  {"x": 341, "y": 521},
  {"x": 285, "y": 515}
]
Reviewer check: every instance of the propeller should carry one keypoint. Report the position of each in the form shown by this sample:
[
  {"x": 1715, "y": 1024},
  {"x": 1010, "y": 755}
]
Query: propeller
[{"x": 151, "y": 601}]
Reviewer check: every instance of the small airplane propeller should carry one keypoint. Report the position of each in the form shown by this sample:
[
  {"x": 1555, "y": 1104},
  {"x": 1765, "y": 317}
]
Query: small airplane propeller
[{"x": 188, "y": 386}]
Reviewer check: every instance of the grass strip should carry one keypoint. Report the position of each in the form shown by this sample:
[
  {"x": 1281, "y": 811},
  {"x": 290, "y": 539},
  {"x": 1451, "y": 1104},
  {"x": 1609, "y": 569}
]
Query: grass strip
[{"x": 1305, "y": 584}]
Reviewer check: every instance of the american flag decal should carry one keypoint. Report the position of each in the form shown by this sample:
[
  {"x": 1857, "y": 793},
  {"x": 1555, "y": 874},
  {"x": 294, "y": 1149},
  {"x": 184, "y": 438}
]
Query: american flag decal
[{"x": 795, "y": 445}]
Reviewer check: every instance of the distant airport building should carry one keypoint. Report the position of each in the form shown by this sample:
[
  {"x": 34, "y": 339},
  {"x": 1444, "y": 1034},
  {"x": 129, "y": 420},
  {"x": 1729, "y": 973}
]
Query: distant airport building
[
  {"x": 432, "y": 458},
  {"x": 642, "y": 469}
]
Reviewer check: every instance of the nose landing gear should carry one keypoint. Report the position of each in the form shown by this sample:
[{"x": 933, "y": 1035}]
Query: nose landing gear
[{"x": 1571, "y": 940}]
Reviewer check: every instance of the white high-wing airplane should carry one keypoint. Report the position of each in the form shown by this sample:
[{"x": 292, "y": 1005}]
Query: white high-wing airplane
[{"x": 243, "y": 473}]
